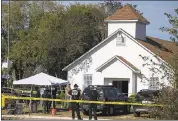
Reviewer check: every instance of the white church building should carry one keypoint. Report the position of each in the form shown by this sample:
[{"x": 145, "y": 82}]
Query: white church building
[{"x": 117, "y": 59}]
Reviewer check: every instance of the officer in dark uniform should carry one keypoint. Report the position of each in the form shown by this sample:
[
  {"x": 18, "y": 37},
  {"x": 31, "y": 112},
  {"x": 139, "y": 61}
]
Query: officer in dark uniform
[
  {"x": 49, "y": 102},
  {"x": 46, "y": 104},
  {"x": 54, "y": 96},
  {"x": 93, "y": 96},
  {"x": 75, "y": 93},
  {"x": 35, "y": 94}
]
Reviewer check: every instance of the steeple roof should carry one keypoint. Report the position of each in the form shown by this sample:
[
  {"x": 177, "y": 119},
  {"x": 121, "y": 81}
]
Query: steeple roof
[{"x": 127, "y": 13}]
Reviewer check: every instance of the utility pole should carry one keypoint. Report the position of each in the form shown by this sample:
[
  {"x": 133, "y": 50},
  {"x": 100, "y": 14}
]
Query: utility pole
[{"x": 8, "y": 42}]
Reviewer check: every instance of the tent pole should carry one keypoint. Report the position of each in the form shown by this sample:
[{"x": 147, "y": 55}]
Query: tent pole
[
  {"x": 12, "y": 88},
  {"x": 30, "y": 99},
  {"x": 52, "y": 96}
]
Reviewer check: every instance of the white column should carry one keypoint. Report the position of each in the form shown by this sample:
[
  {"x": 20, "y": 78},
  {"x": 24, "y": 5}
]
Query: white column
[{"x": 134, "y": 83}]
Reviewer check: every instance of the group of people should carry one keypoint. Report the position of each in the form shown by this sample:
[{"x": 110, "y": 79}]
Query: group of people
[
  {"x": 70, "y": 94},
  {"x": 46, "y": 104},
  {"x": 75, "y": 94},
  {"x": 49, "y": 94}
]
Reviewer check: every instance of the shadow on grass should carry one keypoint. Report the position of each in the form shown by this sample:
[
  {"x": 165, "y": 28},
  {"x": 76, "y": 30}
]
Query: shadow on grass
[{"x": 121, "y": 115}]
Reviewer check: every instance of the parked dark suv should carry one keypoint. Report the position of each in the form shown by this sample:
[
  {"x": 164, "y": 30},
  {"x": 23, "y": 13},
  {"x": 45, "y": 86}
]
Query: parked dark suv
[
  {"x": 106, "y": 93},
  {"x": 144, "y": 97},
  {"x": 12, "y": 92},
  {"x": 9, "y": 91}
]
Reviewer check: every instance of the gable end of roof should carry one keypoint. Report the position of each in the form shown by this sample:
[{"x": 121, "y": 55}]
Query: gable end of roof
[
  {"x": 64, "y": 69},
  {"x": 139, "y": 42},
  {"x": 122, "y": 60}
]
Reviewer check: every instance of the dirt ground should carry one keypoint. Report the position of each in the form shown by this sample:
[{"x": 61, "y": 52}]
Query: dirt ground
[
  {"x": 64, "y": 113},
  {"x": 119, "y": 116}
]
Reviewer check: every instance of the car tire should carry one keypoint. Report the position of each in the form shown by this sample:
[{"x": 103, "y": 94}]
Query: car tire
[
  {"x": 105, "y": 111},
  {"x": 137, "y": 114},
  {"x": 85, "y": 112},
  {"x": 111, "y": 111},
  {"x": 127, "y": 109},
  {"x": 115, "y": 112}
]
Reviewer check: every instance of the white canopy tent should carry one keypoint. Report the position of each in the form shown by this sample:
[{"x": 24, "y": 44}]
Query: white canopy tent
[{"x": 41, "y": 79}]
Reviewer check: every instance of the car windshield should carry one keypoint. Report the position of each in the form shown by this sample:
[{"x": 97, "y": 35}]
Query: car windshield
[
  {"x": 118, "y": 91},
  {"x": 110, "y": 92}
]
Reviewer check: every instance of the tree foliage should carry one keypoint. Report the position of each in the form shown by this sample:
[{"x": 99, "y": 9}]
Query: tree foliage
[
  {"x": 110, "y": 7},
  {"x": 47, "y": 36},
  {"x": 169, "y": 71},
  {"x": 4, "y": 44},
  {"x": 173, "y": 31}
]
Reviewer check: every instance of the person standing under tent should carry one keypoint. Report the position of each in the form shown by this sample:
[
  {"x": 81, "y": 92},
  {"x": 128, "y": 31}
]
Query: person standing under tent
[
  {"x": 32, "y": 104},
  {"x": 41, "y": 95},
  {"x": 67, "y": 96},
  {"x": 46, "y": 104},
  {"x": 50, "y": 97},
  {"x": 75, "y": 94},
  {"x": 54, "y": 91},
  {"x": 36, "y": 94}
]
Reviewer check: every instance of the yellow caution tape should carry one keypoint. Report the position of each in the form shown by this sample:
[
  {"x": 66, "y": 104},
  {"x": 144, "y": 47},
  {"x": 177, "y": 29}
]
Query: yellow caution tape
[
  {"x": 2, "y": 100},
  {"x": 80, "y": 101}
]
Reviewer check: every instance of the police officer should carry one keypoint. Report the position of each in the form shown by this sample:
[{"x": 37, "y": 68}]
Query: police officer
[
  {"x": 54, "y": 96},
  {"x": 75, "y": 94},
  {"x": 93, "y": 96},
  {"x": 36, "y": 94},
  {"x": 46, "y": 104}
]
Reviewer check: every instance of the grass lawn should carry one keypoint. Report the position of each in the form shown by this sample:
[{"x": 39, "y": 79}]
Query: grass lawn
[{"x": 64, "y": 113}]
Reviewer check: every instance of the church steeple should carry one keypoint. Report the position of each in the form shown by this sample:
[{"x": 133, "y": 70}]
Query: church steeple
[{"x": 129, "y": 20}]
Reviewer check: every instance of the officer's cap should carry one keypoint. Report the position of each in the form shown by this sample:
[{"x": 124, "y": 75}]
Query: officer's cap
[{"x": 75, "y": 85}]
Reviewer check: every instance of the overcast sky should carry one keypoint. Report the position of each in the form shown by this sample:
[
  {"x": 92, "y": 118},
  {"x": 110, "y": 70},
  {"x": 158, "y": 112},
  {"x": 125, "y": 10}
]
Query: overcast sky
[{"x": 153, "y": 11}]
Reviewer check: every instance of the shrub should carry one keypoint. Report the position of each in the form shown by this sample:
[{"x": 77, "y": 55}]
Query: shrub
[
  {"x": 62, "y": 96},
  {"x": 131, "y": 99},
  {"x": 169, "y": 98}
]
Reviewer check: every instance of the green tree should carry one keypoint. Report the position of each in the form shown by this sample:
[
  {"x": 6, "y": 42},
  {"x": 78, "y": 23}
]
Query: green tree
[
  {"x": 4, "y": 44},
  {"x": 46, "y": 36},
  {"x": 13, "y": 20},
  {"x": 51, "y": 36},
  {"x": 109, "y": 7},
  {"x": 169, "y": 70},
  {"x": 70, "y": 33},
  {"x": 24, "y": 41},
  {"x": 173, "y": 31}
]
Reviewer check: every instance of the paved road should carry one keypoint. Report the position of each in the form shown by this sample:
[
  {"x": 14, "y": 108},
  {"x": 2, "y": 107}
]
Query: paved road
[{"x": 30, "y": 117}]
